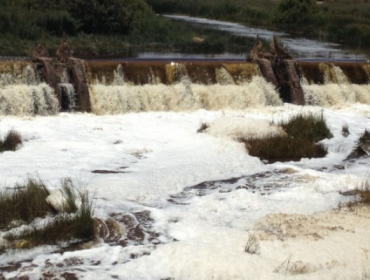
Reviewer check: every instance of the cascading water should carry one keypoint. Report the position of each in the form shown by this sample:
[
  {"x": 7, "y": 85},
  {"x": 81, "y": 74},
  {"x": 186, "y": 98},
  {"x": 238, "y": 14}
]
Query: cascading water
[
  {"x": 336, "y": 89},
  {"x": 181, "y": 96},
  {"x": 180, "y": 92},
  {"x": 68, "y": 94},
  {"x": 21, "y": 92}
]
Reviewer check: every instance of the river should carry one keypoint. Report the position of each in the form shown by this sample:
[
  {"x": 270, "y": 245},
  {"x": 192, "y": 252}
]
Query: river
[{"x": 301, "y": 48}]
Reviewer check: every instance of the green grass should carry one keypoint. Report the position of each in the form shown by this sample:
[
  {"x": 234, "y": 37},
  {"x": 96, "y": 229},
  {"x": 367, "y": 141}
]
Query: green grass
[
  {"x": 309, "y": 126},
  {"x": 11, "y": 141},
  {"x": 303, "y": 131},
  {"x": 26, "y": 203},
  {"x": 283, "y": 148},
  {"x": 63, "y": 228},
  {"x": 23, "y": 203}
]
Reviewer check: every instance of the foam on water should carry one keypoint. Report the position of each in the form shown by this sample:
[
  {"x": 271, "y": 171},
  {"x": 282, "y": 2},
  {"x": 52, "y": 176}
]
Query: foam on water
[{"x": 181, "y": 96}]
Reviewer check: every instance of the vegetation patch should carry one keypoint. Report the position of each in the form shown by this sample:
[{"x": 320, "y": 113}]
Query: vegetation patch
[
  {"x": 11, "y": 141},
  {"x": 362, "y": 147},
  {"x": 303, "y": 131},
  {"x": 203, "y": 127},
  {"x": 30, "y": 216},
  {"x": 345, "y": 130},
  {"x": 311, "y": 127}
]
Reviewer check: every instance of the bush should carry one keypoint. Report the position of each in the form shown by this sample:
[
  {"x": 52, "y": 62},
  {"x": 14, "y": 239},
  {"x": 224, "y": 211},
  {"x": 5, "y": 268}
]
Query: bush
[{"x": 11, "y": 141}]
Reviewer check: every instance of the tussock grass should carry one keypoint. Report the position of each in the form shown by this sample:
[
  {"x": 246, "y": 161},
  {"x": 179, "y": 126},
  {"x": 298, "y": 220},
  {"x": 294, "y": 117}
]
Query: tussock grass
[
  {"x": 309, "y": 126},
  {"x": 362, "y": 147},
  {"x": 283, "y": 148},
  {"x": 302, "y": 133},
  {"x": 24, "y": 202},
  {"x": 27, "y": 204},
  {"x": 63, "y": 228},
  {"x": 69, "y": 192},
  {"x": 253, "y": 245},
  {"x": 364, "y": 192},
  {"x": 11, "y": 141}
]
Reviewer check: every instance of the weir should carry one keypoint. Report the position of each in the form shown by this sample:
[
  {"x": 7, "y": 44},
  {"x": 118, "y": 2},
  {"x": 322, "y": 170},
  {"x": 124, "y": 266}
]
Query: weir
[{"x": 46, "y": 86}]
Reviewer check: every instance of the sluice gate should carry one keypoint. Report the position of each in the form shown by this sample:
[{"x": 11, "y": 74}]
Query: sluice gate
[{"x": 44, "y": 86}]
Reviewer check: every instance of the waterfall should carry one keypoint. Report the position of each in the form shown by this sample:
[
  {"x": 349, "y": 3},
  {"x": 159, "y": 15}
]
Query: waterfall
[
  {"x": 337, "y": 89},
  {"x": 68, "y": 94},
  {"x": 183, "y": 95},
  {"x": 223, "y": 77},
  {"x": 27, "y": 77},
  {"x": 21, "y": 100},
  {"x": 21, "y": 93}
]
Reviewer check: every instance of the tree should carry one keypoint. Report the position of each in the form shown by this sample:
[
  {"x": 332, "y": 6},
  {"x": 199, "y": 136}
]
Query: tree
[
  {"x": 298, "y": 14},
  {"x": 108, "y": 16}
]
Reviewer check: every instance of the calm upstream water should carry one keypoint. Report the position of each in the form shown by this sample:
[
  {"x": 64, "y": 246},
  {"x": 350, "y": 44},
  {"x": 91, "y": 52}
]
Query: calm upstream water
[{"x": 301, "y": 48}]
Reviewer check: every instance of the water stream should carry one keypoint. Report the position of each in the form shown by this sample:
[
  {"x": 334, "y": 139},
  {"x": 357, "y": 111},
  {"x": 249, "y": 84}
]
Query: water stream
[{"x": 302, "y": 48}]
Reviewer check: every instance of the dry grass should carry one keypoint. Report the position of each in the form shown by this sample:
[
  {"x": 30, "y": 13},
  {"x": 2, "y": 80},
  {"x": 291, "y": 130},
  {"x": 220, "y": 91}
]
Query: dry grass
[
  {"x": 11, "y": 141},
  {"x": 253, "y": 245}
]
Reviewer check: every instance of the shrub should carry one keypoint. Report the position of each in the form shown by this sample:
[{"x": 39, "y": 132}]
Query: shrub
[{"x": 11, "y": 141}]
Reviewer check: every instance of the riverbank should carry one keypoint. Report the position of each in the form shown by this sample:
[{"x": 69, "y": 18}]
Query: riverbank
[{"x": 162, "y": 36}]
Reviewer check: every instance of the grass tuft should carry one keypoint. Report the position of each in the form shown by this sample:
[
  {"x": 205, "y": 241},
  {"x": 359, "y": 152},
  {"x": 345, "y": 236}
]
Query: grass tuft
[
  {"x": 300, "y": 141},
  {"x": 345, "y": 130},
  {"x": 202, "y": 127},
  {"x": 309, "y": 126},
  {"x": 69, "y": 192},
  {"x": 362, "y": 147},
  {"x": 23, "y": 203},
  {"x": 63, "y": 228},
  {"x": 27, "y": 204},
  {"x": 11, "y": 141},
  {"x": 253, "y": 245},
  {"x": 283, "y": 148}
]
